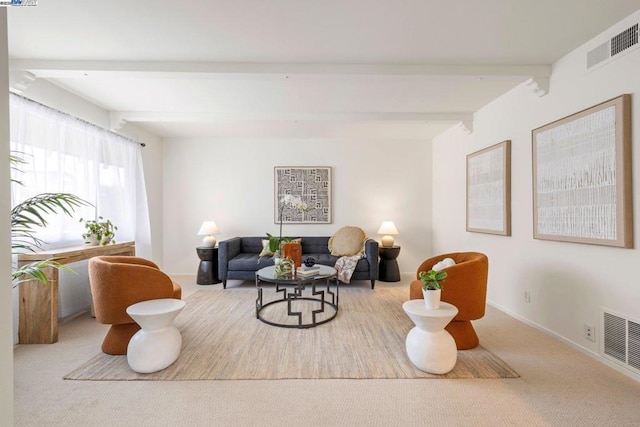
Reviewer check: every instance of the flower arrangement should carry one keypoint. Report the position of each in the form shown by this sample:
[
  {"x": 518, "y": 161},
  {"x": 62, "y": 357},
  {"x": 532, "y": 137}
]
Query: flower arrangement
[
  {"x": 99, "y": 231},
  {"x": 294, "y": 202},
  {"x": 431, "y": 279}
]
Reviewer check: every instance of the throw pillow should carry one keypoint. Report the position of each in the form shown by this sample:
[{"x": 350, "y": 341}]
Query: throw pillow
[
  {"x": 265, "y": 246},
  {"x": 347, "y": 241},
  {"x": 447, "y": 262}
]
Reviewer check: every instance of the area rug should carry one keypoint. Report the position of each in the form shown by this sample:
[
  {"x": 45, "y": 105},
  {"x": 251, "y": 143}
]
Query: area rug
[{"x": 223, "y": 340}]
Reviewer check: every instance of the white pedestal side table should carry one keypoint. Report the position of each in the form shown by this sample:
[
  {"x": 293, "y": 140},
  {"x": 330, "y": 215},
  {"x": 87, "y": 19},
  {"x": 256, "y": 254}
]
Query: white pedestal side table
[
  {"x": 157, "y": 345},
  {"x": 429, "y": 346}
]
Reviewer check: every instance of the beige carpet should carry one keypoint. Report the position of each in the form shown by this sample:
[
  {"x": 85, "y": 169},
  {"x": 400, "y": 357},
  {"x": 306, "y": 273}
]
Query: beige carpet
[{"x": 222, "y": 339}]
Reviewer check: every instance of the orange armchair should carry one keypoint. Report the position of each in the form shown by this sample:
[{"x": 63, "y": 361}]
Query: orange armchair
[
  {"x": 466, "y": 288},
  {"x": 116, "y": 283}
]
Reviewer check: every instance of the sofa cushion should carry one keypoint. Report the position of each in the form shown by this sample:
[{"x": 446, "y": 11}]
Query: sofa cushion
[
  {"x": 315, "y": 245},
  {"x": 347, "y": 241},
  {"x": 249, "y": 262},
  {"x": 265, "y": 248}
]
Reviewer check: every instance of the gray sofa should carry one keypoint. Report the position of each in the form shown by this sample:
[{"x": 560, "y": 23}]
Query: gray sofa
[{"x": 238, "y": 258}]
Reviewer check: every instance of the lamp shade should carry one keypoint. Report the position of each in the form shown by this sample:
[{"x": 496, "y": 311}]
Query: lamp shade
[
  {"x": 207, "y": 229},
  {"x": 387, "y": 228}
]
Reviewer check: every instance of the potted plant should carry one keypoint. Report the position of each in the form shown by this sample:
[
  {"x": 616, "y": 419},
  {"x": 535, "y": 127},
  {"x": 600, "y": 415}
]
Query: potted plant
[
  {"x": 431, "y": 287},
  {"x": 275, "y": 242},
  {"x": 99, "y": 232},
  {"x": 26, "y": 218}
]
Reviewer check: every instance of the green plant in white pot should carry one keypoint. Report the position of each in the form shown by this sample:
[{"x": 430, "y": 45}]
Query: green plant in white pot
[
  {"x": 99, "y": 232},
  {"x": 432, "y": 287}
]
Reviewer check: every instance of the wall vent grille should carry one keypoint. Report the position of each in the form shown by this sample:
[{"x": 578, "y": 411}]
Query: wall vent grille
[
  {"x": 607, "y": 51},
  {"x": 621, "y": 340},
  {"x": 624, "y": 40},
  {"x": 634, "y": 344}
]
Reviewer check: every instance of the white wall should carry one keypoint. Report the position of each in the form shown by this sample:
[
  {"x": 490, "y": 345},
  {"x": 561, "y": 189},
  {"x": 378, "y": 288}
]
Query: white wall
[
  {"x": 6, "y": 332},
  {"x": 568, "y": 282},
  {"x": 231, "y": 182}
]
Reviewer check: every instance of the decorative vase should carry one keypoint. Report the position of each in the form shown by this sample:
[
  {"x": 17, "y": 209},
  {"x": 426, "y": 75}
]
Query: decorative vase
[
  {"x": 92, "y": 240},
  {"x": 284, "y": 267},
  {"x": 431, "y": 298},
  {"x": 293, "y": 251}
]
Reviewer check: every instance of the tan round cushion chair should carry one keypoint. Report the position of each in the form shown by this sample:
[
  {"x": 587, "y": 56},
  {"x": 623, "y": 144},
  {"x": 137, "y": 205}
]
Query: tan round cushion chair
[
  {"x": 465, "y": 287},
  {"x": 118, "y": 282}
]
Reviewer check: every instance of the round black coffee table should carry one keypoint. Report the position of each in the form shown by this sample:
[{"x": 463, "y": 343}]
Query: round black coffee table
[{"x": 309, "y": 300}]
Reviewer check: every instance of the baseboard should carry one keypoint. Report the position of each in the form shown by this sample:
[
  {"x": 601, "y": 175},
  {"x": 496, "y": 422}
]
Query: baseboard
[{"x": 570, "y": 343}]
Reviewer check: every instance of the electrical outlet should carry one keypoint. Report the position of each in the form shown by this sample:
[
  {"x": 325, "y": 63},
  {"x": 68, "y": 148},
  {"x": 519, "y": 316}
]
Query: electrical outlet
[
  {"x": 589, "y": 333},
  {"x": 526, "y": 296}
]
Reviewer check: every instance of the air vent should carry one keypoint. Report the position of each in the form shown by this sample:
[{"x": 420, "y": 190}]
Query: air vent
[
  {"x": 621, "y": 340},
  {"x": 624, "y": 40},
  {"x": 634, "y": 344},
  {"x": 608, "y": 50}
]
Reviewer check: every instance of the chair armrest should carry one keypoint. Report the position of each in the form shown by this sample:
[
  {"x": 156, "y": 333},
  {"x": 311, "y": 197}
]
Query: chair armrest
[
  {"x": 371, "y": 251},
  {"x": 227, "y": 250}
]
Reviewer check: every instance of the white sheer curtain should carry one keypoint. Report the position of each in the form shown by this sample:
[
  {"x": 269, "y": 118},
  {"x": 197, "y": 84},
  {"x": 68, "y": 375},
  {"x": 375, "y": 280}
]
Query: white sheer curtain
[{"x": 65, "y": 154}]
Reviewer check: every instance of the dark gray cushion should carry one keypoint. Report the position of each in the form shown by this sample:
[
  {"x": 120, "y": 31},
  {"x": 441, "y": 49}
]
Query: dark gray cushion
[
  {"x": 249, "y": 262},
  {"x": 315, "y": 245}
]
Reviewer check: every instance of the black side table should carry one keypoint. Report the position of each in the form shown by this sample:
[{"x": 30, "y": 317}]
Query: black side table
[
  {"x": 388, "y": 270},
  {"x": 208, "y": 268}
]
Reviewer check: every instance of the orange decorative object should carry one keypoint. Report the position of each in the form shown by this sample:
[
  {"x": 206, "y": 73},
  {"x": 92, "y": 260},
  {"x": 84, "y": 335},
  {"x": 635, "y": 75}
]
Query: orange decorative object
[
  {"x": 466, "y": 288},
  {"x": 116, "y": 283},
  {"x": 293, "y": 251}
]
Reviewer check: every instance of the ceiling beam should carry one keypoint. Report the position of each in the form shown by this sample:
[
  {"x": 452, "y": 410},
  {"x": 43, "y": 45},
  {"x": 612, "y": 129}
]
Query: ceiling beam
[
  {"x": 148, "y": 116},
  {"x": 119, "y": 119},
  {"x": 66, "y": 69}
]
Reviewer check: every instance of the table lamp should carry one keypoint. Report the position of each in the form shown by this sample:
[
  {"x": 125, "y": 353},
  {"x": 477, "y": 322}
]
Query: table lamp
[
  {"x": 387, "y": 228},
  {"x": 208, "y": 229}
]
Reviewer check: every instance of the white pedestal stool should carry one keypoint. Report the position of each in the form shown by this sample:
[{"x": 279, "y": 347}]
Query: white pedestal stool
[
  {"x": 429, "y": 346},
  {"x": 157, "y": 345}
]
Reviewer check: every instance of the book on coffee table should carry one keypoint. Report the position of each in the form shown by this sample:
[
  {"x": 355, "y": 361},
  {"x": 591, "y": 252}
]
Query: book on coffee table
[{"x": 307, "y": 271}]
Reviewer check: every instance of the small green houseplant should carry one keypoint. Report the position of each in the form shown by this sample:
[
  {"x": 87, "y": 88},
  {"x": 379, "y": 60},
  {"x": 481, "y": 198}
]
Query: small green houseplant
[
  {"x": 99, "y": 232},
  {"x": 432, "y": 287},
  {"x": 431, "y": 279}
]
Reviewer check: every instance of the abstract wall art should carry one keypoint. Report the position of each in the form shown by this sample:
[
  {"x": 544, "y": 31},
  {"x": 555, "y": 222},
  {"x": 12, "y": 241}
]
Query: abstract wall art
[
  {"x": 582, "y": 176},
  {"x": 312, "y": 185},
  {"x": 489, "y": 190}
]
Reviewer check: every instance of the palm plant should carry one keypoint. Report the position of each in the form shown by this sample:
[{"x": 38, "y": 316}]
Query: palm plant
[{"x": 28, "y": 216}]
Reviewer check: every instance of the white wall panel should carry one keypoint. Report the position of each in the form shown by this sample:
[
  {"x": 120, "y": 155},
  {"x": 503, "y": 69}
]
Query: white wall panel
[
  {"x": 568, "y": 282},
  {"x": 231, "y": 182}
]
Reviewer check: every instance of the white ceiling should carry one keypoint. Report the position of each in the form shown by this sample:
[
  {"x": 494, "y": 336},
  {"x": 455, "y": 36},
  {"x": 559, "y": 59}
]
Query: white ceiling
[{"x": 299, "y": 68}]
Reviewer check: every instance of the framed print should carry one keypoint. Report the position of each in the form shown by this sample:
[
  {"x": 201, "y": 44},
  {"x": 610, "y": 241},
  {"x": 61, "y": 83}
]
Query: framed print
[
  {"x": 489, "y": 190},
  {"x": 312, "y": 185},
  {"x": 582, "y": 176}
]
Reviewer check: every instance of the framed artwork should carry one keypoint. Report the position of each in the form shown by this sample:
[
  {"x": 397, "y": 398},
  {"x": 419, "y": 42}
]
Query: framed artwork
[
  {"x": 312, "y": 185},
  {"x": 582, "y": 176},
  {"x": 489, "y": 190}
]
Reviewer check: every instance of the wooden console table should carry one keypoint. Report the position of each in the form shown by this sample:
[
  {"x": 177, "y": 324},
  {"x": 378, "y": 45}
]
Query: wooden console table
[{"x": 38, "y": 320}]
